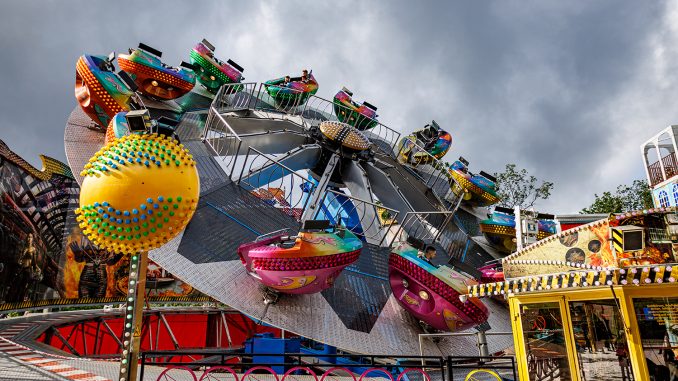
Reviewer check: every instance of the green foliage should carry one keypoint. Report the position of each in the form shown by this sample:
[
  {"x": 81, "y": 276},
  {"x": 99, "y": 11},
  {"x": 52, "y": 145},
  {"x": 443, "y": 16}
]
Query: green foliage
[
  {"x": 517, "y": 187},
  {"x": 626, "y": 198}
]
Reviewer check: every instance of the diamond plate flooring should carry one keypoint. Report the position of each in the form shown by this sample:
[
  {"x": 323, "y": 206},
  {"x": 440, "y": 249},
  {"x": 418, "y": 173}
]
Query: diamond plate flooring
[{"x": 358, "y": 314}]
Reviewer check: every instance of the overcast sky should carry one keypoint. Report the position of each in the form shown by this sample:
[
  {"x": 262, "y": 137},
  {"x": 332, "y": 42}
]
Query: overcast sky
[{"x": 566, "y": 89}]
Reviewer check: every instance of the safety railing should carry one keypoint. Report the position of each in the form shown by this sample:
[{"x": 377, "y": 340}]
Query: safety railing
[
  {"x": 223, "y": 140},
  {"x": 431, "y": 171},
  {"x": 288, "y": 102},
  {"x": 233, "y": 366},
  {"x": 312, "y": 109},
  {"x": 362, "y": 218},
  {"x": 291, "y": 366},
  {"x": 275, "y": 183},
  {"x": 483, "y": 368},
  {"x": 426, "y": 227},
  {"x": 318, "y": 109},
  {"x": 271, "y": 234},
  {"x": 235, "y": 96}
]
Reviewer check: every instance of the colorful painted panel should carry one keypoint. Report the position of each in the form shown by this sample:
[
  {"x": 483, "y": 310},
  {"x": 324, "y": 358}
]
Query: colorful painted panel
[
  {"x": 43, "y": 253},
  {"x": 586, "y": 246}
]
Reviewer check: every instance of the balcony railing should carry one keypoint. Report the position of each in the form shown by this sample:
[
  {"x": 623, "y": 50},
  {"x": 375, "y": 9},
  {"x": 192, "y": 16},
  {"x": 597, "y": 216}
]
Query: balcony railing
[
  {"x": 670, "y": 168},
  {"x": 670, "y": 165}
]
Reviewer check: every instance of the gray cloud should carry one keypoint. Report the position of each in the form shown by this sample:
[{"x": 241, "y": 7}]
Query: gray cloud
[{"x": 566, "y": 89}]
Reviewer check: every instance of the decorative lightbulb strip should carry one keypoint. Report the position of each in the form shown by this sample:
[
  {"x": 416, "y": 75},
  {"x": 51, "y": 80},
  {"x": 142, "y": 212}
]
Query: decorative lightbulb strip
[
  {"x": 136, "y": 288},
  {"x": 633, "y": 276}
]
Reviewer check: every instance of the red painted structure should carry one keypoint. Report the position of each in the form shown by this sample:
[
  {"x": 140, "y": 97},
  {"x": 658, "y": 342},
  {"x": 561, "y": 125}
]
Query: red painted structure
[{"x": 170, "y": 330}]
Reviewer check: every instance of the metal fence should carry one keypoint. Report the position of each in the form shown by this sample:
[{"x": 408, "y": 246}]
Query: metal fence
[
  {"x": 291, "y": 104},
  {"x": 268, "y": 178},
  {"x": 431, "y": 171},
  {"x": 232, "y": 366},
  {"x": 318, "y": 109},
  {"x": 235, "y": 97},
  {"x": 223, "y": 140},
  {"x": 425, "y": 226},
  {"x": 372, "y": 218},
  {"x": 275, "y": 183}
]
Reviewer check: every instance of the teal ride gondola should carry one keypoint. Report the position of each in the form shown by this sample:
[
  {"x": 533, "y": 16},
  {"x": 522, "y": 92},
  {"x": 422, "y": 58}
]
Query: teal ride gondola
[
  {"x": 291, "y": 92},
  {"x": 362, "y": 117},
  {"x": 212, "y": 72}
]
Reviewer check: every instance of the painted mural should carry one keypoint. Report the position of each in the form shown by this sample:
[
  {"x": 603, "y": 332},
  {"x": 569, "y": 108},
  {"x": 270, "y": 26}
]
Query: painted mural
[
  {"x": 586, "y": 245},
  {"x": 590, "y": 247},
  {"x": 43, "y": 253},
  {"x": 89, "y": 272}
]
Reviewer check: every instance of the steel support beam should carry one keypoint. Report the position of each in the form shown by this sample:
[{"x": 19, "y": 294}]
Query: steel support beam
[{"x": 320, "y": 189}]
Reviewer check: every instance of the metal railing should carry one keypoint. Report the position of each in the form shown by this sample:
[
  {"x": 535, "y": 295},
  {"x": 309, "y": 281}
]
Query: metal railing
[
  {"x": 430, "y": 170},
  {"x": 286, "y": 104},
  {"x": 655, "y": 172},
  {"x": 338, "y": 208},
  {"x": 318, "y": 109},
  {"x": 670, "y": 165},
  {"x": 425, "y": 226},
  {"x": 223, "y": 140},
  {"x": 275, "y": 183},
  {"x": 670, "y": 169},
  {"x": 235, "y": 96},
  {"x": 234, "y": 366}
]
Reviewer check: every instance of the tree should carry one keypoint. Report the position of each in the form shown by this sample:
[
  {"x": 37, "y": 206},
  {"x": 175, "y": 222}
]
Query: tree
[
  {"x": 517, "y": 187},
  {"x": 626, "y": 198}
]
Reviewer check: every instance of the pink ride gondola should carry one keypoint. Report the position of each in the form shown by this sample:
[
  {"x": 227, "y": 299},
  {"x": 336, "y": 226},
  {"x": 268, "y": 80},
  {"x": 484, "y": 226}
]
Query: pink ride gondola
[{"x": 302, "y": 264}]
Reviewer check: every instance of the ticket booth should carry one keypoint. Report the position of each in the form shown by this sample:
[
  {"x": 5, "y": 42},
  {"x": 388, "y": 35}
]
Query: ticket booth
[{"x": 597, "y": 302}]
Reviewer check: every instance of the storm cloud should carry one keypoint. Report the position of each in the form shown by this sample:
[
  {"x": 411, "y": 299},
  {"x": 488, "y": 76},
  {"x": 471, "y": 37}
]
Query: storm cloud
[{"x": 568, "y": 90}]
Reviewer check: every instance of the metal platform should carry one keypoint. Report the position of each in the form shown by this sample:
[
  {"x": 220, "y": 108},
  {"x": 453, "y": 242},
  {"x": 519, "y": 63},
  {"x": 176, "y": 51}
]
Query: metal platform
[{"x": 358, "y": 314}]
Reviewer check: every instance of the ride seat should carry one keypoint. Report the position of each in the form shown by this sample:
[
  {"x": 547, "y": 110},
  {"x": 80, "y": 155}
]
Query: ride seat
[{"x": 287, "y": 242}]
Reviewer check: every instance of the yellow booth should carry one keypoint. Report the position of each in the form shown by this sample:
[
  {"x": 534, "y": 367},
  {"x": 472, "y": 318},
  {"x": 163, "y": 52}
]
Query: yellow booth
[{"x": 596, "y": 302}]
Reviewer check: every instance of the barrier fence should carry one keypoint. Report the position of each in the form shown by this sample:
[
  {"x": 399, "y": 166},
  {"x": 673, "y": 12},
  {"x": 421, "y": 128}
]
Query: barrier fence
[
  {"x": 275, "y": 183},
  {"x": 234, "y": 366}
]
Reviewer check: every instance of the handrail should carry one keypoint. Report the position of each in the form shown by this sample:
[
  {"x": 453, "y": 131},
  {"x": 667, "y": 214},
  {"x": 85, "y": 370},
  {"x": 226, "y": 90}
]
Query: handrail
[
  {"x": 235, "y": 92},
  {"x": 319, "y": 109},
  {"x": 263, "y": 93},
  {"x": 356, "y": 204},
  {"x": 223, "y": 142},
  {"x": 424, "y": 230},
  {"x": 276, "y": 162},
  {"x": 288, "y": 203},
  {"x": 270, "y": 234},
  {"x": 438, "y": 178}
]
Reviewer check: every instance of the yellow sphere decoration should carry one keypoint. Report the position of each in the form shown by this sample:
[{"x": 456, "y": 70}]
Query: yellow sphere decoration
[{"x": 139, "y": 192}]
